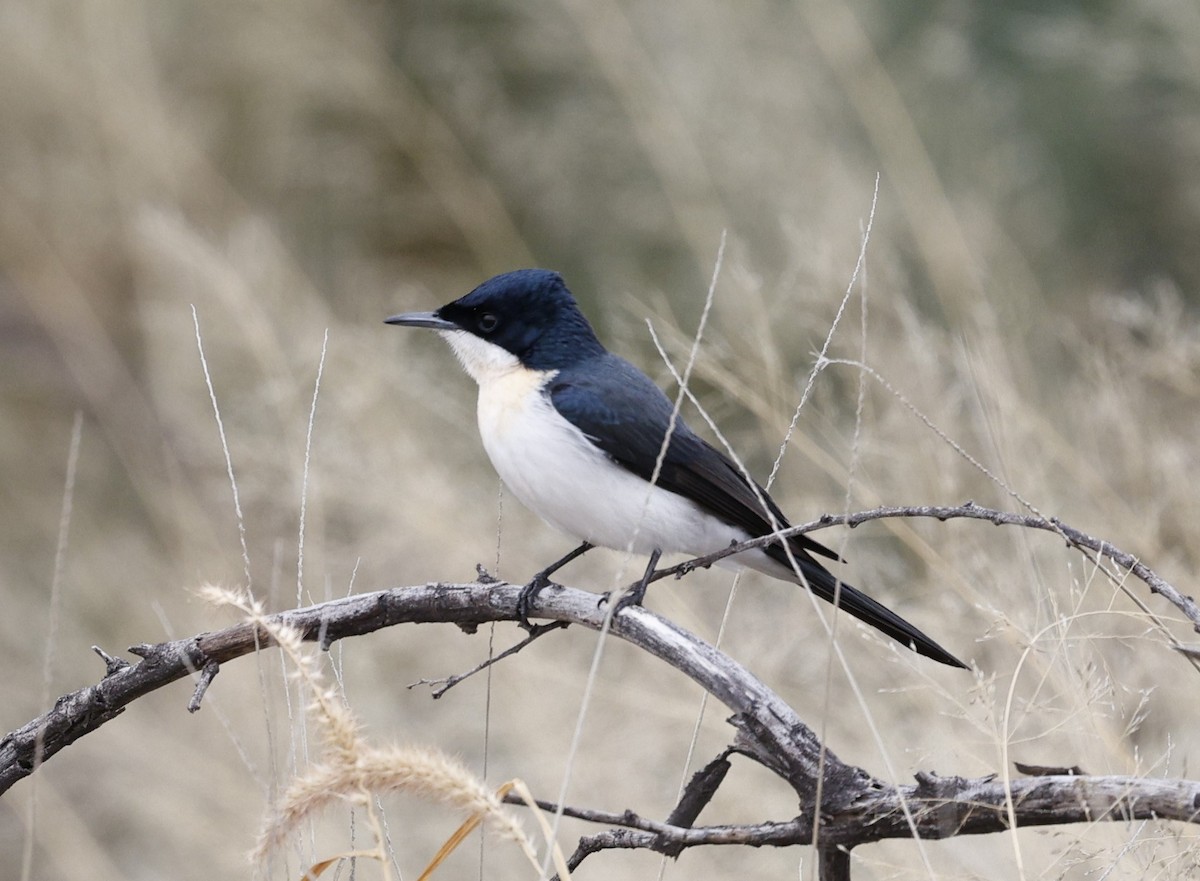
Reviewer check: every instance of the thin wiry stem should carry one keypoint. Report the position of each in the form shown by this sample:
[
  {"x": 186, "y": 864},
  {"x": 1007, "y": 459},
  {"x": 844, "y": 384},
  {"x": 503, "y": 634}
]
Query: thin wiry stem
[
  {"x": 969, "y": 510},
  {"x": 212, "y": 394},
  {"x": 615, "y": 595},
  {"x": 60, "y": 564},
  {"x": 312, "y": 418}
]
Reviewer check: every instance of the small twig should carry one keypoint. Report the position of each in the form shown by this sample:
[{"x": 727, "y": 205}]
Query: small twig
[
  {"x": 450, "y": 681},
  {"x": 700, "y": 791},
  {"x": 207, "y": 674},
  {"x": 625, "y": 819},
  {"x": 1049, "y": 770},
  {"x": 969, "y": 510},
  {"x": 675, "y": 837}
]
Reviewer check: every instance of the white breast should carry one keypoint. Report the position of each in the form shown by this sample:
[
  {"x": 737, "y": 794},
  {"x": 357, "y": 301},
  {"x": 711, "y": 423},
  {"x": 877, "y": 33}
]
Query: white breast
[
  {"x": 562, "y": 476},
  {"x": 559, "y": 474}
]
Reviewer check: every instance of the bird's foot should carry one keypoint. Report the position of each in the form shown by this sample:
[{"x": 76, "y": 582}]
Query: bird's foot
[
  {"x": 636, "y": 592},
  {"x": 540, "y": 581},
  {"x": 526, "y": 597}
]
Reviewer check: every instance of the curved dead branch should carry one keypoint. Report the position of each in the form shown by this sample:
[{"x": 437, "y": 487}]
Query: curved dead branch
[{"x": 855, "y": 806}]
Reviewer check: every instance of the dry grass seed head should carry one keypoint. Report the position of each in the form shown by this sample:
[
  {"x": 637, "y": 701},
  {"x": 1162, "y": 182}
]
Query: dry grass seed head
[
  {"x": 353, "y": 770},
  {"x": 419, "y": 771}
]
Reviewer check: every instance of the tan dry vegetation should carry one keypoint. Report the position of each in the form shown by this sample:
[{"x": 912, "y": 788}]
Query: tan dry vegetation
[{"x": 298, "y": 168}]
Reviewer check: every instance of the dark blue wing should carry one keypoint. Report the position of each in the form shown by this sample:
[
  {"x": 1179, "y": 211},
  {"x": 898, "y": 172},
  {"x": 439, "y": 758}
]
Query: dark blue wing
[{"x": 627, "y": 416}]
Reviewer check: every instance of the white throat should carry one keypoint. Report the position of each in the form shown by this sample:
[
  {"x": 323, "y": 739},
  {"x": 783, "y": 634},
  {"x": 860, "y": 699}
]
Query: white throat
[{"x": 484, "y": 361}]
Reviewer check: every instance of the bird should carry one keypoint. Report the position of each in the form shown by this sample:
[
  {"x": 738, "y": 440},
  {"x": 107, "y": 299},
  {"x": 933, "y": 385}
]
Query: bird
[{"x": 575, "y": 433}]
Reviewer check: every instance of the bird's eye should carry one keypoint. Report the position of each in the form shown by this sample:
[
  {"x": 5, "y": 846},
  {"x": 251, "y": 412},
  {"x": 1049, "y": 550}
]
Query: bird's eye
[{"x": 487, "y": 322}]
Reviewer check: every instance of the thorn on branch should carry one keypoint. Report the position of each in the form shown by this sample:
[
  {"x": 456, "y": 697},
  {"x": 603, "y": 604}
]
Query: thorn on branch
[
  {"x": 112, "y": 665},
  {"x": 932, "y": 785},
  {"x": 946, "y": 808},
  {"x": 927, "y": 782}
]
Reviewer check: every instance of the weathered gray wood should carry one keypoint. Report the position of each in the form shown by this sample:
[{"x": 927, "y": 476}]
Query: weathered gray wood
[{"x": 856, "y": 808}]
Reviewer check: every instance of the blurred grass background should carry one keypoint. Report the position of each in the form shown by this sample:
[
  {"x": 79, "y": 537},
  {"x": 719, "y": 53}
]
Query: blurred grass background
[{"x": 291, "y": 168}]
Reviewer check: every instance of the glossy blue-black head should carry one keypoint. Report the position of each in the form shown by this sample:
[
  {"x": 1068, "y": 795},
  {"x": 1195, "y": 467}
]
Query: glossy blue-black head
[{"x": 528, "y": 313}]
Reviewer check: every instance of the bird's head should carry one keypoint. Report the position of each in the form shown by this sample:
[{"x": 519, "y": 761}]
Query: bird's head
[{"x": 523, "y": 318}]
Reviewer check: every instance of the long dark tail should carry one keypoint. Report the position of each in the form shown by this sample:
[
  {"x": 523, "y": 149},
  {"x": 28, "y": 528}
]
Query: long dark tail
[{"x": 862, "y": 607}]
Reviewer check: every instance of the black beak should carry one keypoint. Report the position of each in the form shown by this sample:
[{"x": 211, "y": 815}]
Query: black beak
[{"x": 421, "y": 319}]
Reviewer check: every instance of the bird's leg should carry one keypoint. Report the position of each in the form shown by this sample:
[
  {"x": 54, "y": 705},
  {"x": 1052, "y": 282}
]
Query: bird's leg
[
  {"x": 637, "y": 592},
  {"x": 530, "y": 591}
]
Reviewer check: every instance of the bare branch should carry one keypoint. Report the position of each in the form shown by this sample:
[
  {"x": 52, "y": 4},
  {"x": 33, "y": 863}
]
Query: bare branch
[
  {"x": 942, "y": 806},
  {"x": 770, "y": 731},
  {"x": 969, "y": 510},
  {"x": 855, "y": 806}
]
